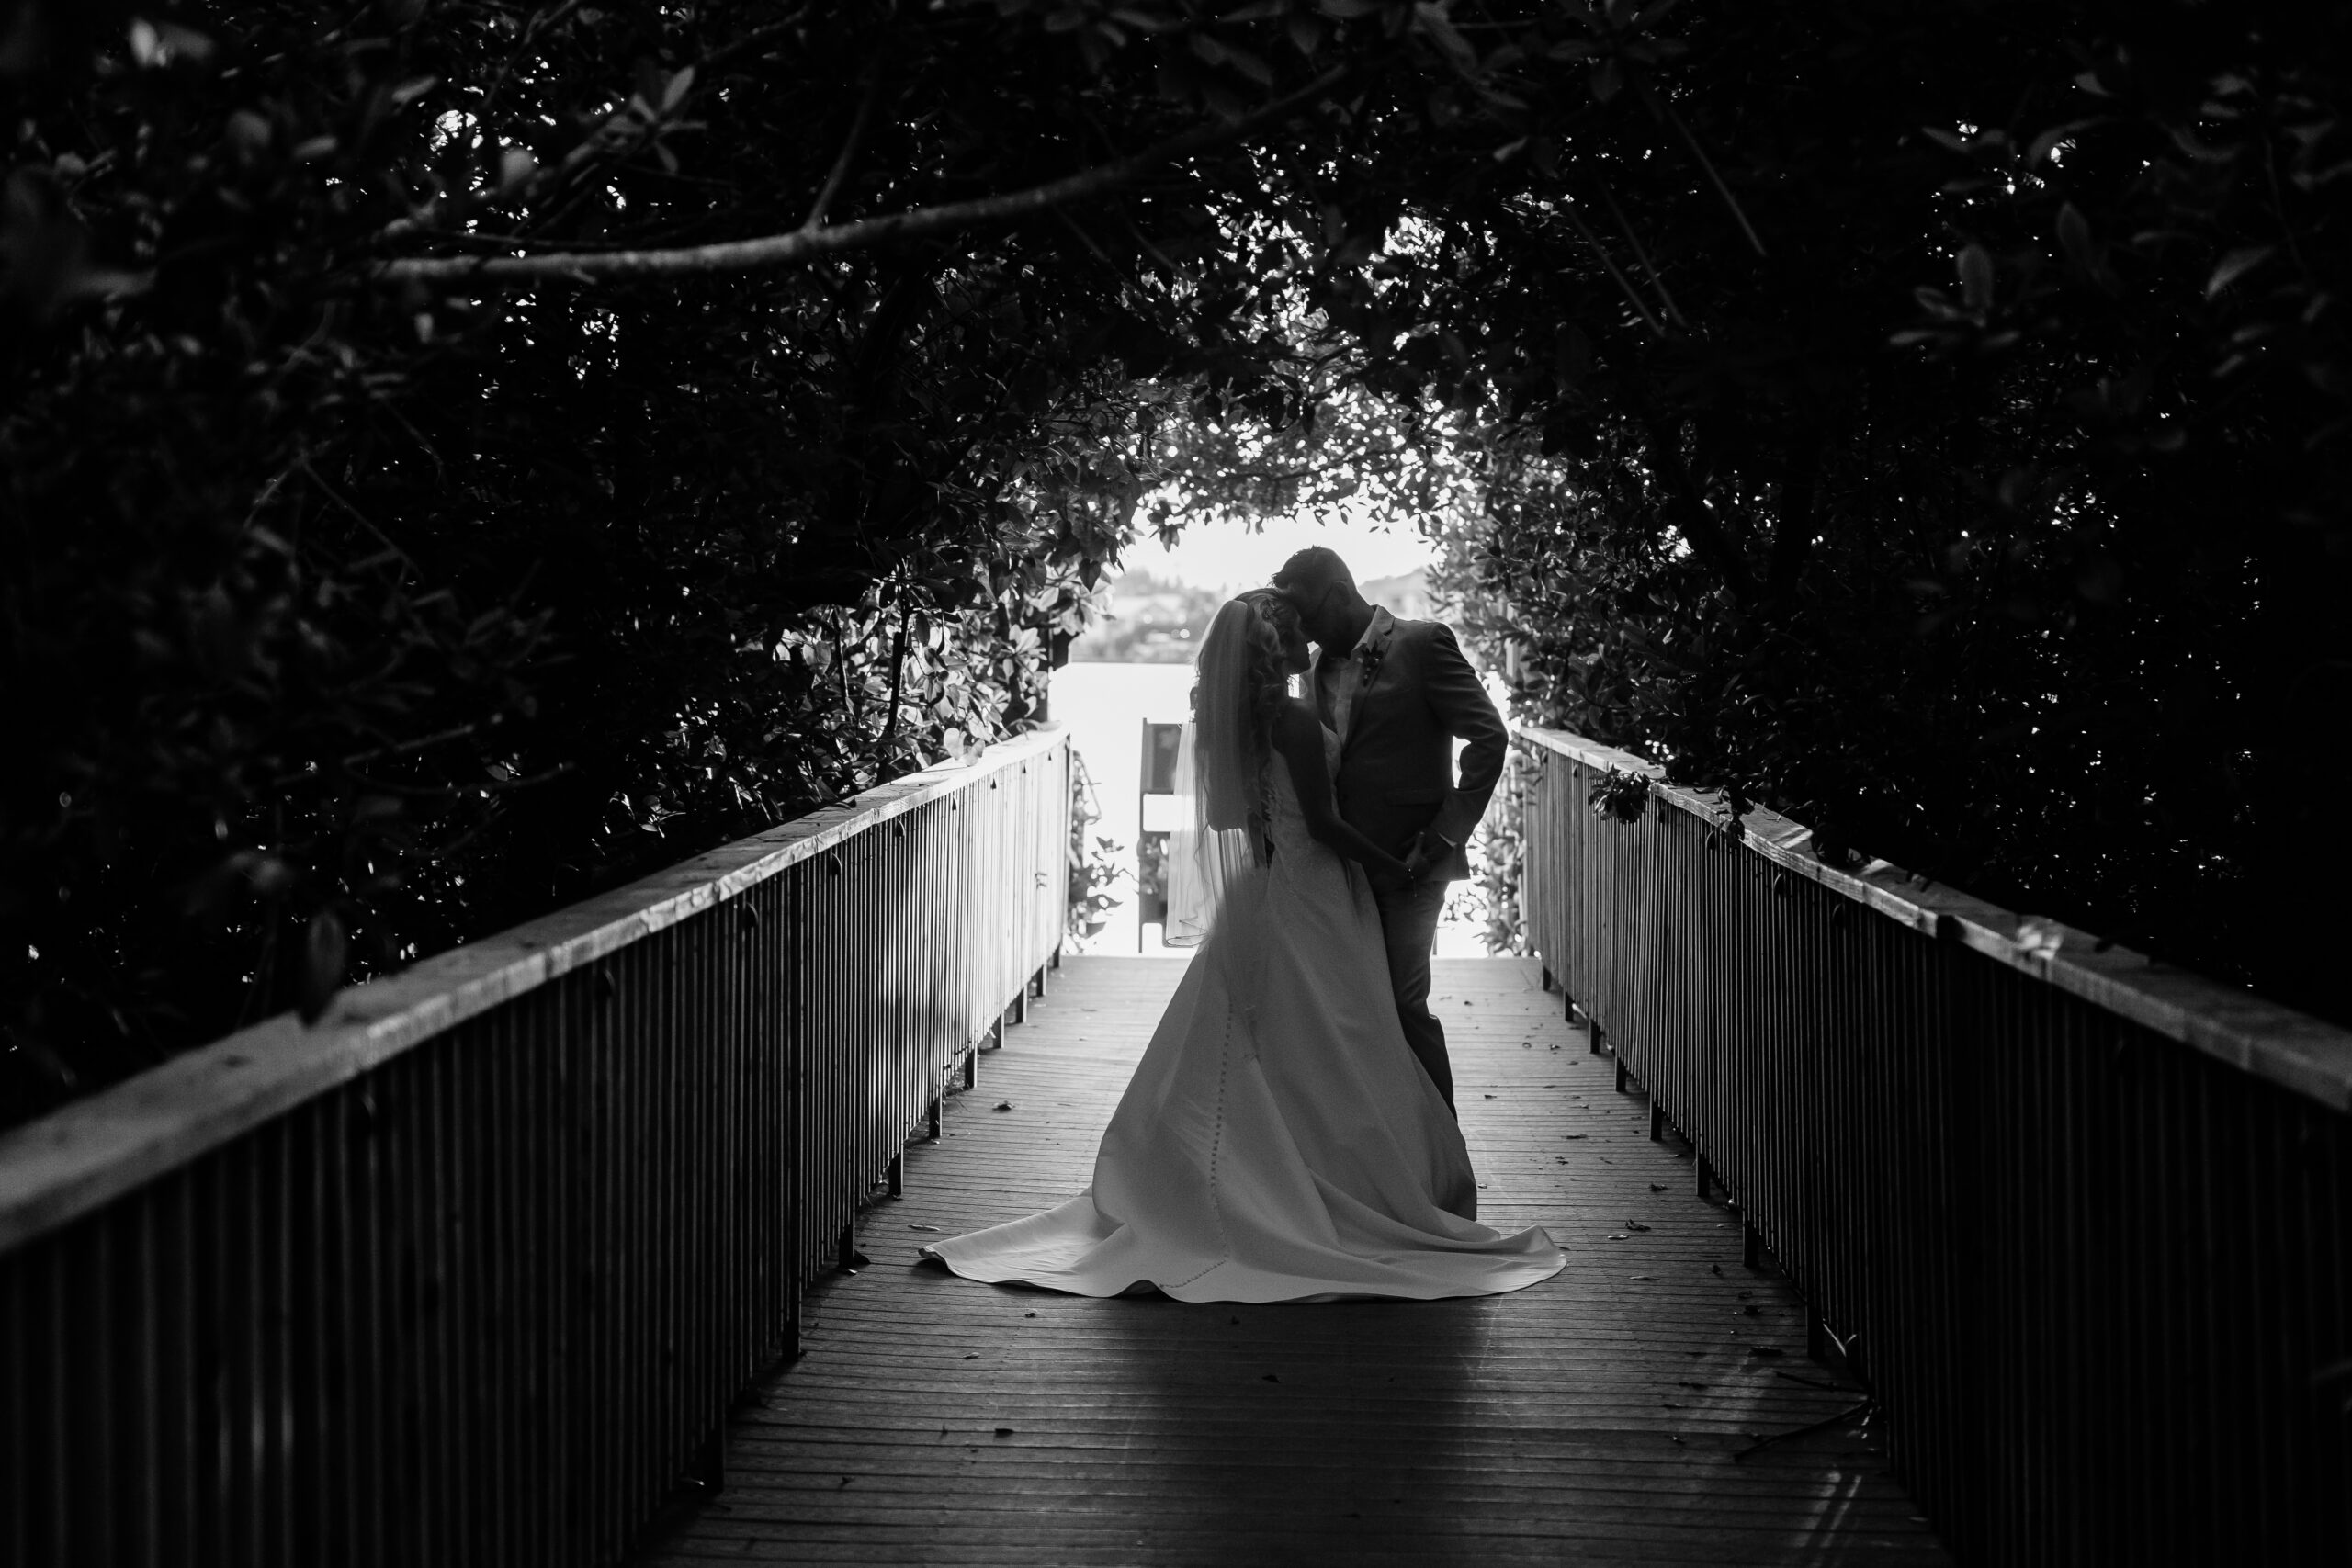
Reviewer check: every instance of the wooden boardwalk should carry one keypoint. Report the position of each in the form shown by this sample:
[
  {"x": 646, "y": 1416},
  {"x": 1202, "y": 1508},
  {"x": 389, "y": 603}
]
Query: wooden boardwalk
[{"x": 1605, "y": 1416}]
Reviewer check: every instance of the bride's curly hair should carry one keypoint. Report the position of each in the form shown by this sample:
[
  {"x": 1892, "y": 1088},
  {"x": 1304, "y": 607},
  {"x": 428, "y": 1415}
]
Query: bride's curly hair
[
  {"x": 1243, "y": 683},
  {"x": 1277, "y": 617}
]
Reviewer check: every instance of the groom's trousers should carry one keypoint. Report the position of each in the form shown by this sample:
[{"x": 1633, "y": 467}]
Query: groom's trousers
[{"x": 1409, "y": 918}]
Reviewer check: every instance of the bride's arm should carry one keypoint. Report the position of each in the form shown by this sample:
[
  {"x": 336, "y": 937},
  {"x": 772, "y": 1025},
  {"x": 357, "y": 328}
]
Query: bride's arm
[{"x": 1298, "y": 737}]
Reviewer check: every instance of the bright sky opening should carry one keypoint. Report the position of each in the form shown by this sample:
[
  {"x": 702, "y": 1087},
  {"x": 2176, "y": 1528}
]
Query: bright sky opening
[{"x": 1225, "y": 555}]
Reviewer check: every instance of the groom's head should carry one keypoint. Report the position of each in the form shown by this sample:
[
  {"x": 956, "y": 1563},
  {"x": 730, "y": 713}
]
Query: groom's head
[{"x": 1319, "y": 583}]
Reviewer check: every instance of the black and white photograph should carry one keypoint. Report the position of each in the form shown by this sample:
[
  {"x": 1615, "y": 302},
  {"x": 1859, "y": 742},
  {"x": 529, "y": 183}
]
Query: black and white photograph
[{"x": 1175, "y": 784}]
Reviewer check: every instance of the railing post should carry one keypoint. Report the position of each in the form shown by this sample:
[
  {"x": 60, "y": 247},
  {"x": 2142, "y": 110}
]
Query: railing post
[
  {"x": 1928, "y": 1102},
  {"x": 678, "y": 1100}
]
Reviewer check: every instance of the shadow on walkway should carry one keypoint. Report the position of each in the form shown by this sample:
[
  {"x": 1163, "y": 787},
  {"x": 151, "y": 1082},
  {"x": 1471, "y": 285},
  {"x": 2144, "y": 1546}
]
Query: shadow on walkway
[{"x": 1608, "y": 1416}]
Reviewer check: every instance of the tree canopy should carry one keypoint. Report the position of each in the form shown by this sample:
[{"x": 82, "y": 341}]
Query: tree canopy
[{"x": 462, "y": 454}]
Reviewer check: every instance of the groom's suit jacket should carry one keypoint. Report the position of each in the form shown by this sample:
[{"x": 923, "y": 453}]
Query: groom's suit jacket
[{"x": 1395, "y": 775}]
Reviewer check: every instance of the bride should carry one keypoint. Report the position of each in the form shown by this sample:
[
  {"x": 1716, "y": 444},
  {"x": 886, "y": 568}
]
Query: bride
[{"x": 1279, "y": 1141}]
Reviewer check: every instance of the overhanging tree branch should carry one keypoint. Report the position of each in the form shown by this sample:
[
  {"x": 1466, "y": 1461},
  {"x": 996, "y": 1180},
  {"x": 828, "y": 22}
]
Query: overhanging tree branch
[{"x": 809, "y": 242}]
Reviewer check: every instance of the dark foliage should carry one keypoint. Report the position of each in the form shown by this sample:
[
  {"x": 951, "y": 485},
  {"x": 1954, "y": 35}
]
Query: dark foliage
[
  {"x": 1930, "y": 420},
  {"x": 343, "y": 623}
]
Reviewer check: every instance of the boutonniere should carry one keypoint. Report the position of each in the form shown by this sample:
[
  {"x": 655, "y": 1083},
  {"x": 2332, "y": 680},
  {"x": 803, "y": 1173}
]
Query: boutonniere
[{"x": 1370, "y": 656}]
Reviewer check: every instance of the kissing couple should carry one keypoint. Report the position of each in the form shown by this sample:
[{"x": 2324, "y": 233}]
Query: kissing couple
[{"x": 1290, "y": 1133}]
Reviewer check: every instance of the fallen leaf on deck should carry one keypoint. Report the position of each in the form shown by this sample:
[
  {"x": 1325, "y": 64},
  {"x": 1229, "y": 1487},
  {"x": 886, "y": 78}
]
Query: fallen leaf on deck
[
  {"x": 923, "y": 1227},
  {"x": 1269, "y": 1378},
  {"x": 971, "y": 1355},
  {"x": 1028, "y": 1314},
  {"x": 1004, "y": 1431},
  {"x": 1635, "y": 1225},
  {"x": 1657, "y": 1185},
  {"x": 1765, "y": 1350},
  {"x": 1641, "y": 1276},
  {"x": 1573, "y": 1136},
  {"x": 1004, "y": 1105},
  {"x": 1619, "y": 1236}
]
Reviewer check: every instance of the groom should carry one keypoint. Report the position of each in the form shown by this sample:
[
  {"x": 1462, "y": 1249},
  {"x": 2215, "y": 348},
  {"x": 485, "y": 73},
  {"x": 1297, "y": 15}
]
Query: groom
[{"x": 1398, "y": 696}]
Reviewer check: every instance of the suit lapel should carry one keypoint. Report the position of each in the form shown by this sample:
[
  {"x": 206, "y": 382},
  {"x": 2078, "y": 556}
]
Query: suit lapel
[{"x": 1373, "y": 654}]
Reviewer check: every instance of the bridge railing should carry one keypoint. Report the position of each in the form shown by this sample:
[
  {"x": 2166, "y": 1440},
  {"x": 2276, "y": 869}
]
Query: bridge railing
[
  {"x": 2083, "y": 1220},
  {"x": 471, "y": 1271}
]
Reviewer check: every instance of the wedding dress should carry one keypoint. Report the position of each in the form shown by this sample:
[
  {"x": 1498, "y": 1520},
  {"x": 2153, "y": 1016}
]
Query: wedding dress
[{"x": 1278, "y": 1141}]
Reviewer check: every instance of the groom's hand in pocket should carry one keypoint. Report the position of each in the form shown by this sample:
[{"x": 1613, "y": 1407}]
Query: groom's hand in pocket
[{"x": 1418, "y": 857}]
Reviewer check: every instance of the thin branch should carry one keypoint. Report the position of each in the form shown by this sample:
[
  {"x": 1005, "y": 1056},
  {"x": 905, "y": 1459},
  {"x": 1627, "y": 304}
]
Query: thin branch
[
  {"x": 477, "y": 240},
  {"x": 850, "y": 144},
  {"x": 1088, "y": 240},
  {"x": 1175, "y": 274},
  {"x": 1640, "y": 255},
  {"x": 358, "y": 516},
  {"x": 465, "y": 791},
  {"x": 403, "y": 748},
  {"x": 1624, "y": 284},
  {"x": 804, "y": 244},
  {"x": 750, "y": 40},
  {"x": 1709, "y": 164}
]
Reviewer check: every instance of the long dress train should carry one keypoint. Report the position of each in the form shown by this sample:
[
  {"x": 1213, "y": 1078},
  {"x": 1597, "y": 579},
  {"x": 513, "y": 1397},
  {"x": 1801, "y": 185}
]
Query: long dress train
[{"x": 1278, "y": 1141}]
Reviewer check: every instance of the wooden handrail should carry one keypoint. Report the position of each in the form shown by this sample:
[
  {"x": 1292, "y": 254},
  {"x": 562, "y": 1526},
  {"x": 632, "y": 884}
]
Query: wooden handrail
[
  {"x": 2075, "y": 1217},
  {"x": 2292, "y": 1049},
  {"x": 65, "y": 1165}
]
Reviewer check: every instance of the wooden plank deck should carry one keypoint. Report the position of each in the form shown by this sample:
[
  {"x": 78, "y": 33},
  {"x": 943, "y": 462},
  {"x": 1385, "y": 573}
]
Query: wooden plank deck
[{"x": 1599, "y": 1417}]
